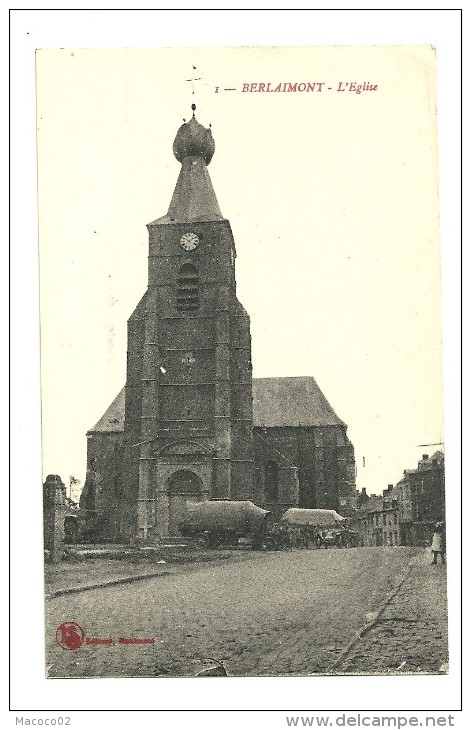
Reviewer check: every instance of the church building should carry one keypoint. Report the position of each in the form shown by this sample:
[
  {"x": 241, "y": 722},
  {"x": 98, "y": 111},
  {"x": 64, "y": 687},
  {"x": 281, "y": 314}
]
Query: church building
[{"x": 191, "y": 423}]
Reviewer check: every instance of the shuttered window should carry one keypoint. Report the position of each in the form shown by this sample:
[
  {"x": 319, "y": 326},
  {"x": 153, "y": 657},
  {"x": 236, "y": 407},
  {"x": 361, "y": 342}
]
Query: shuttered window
[{"x": 188, "y": 288}]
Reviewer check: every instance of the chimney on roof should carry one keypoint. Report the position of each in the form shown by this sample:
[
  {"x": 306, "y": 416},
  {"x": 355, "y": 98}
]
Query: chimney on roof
[
  {"x": 390, "y": 486},
  {"x": 363, "y": 491},
  {"x": 424, "y": 457}
]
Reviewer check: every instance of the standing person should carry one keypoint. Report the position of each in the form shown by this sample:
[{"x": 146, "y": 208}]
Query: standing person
[{"x": 438, "y": 544}]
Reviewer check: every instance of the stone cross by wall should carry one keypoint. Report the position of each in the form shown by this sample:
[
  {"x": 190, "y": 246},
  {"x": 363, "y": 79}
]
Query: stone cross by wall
[{"x": 54, "y": 511}]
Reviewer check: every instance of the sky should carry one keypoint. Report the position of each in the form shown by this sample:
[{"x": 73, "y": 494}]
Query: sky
[{"x": 333, "y": 201}]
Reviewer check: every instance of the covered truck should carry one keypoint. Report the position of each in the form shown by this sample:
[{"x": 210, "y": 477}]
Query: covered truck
[
  {"x": 315, "y": 517},
  {"x": 321, "y": 527},
  {"x": 224, "y": 522}
]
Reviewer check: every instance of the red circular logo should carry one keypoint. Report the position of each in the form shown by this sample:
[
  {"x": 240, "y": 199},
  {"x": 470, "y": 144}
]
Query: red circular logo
[{"x": 70, "y": 635}]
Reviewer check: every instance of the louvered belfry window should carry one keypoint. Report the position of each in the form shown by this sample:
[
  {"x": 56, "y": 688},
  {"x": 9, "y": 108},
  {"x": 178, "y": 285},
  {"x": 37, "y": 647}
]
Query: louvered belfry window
[{"x": 188, "y": 288}]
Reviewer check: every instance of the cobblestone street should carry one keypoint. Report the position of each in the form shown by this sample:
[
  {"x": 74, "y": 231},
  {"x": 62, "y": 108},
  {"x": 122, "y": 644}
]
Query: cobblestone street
[
  {"x": 411, "y": 634},
  {"x": 285, "y": 613}
]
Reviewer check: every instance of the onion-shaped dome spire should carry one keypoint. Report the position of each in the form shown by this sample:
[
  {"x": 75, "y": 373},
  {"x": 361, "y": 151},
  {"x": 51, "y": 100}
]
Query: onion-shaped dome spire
[
  {"x": 194, "y": 140},
  {"x": 194, "y": 198}
]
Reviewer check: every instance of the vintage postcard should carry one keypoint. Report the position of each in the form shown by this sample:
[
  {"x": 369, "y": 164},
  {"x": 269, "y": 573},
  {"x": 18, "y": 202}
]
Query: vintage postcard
[{"x": 241, "y": 343}]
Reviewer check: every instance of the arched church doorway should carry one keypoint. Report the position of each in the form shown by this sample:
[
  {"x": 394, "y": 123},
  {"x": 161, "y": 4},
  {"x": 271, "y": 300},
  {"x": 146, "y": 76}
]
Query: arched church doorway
[{"x": 183, "y": 486}]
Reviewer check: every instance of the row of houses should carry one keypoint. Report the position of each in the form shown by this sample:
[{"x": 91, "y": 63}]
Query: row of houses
[{"x": 405, "y": 513}]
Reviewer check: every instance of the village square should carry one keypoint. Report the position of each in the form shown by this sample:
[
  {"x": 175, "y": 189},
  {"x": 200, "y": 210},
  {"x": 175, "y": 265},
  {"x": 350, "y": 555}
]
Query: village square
[{"x": 220, "y": 529}]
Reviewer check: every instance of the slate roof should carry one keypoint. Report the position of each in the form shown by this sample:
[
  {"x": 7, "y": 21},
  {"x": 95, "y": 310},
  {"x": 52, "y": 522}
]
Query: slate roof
[
  {"x": 194, "y": 199},
  {"x": 373, "y": 504},
  {"x": 113, "y": 417},
  {"x": 291, "y": 402},
  {"x": 276, "y": 402}
]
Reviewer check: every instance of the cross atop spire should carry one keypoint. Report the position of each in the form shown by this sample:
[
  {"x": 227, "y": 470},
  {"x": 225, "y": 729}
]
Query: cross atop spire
[{"x": 193, "y": 79}]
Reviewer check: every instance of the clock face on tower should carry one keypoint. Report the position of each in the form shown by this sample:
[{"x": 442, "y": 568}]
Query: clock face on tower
[{"x": 189, "y": 241}]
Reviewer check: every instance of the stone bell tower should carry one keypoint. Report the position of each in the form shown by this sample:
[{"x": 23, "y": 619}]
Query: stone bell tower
[{"x": 188, "y": 397}]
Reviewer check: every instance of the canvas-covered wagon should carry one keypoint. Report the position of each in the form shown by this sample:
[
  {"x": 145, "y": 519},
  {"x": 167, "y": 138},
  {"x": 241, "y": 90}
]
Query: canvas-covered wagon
[
  {"x": 319, "y": 527},
  {"x": 225, "y": 522}
]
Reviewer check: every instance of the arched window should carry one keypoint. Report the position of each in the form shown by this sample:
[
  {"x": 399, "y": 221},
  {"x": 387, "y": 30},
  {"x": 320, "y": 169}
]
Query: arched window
[
  {"x": 188, "y": 288},
  {"x": 184, "y": 482},
  {"x": 271, "y": 481}
]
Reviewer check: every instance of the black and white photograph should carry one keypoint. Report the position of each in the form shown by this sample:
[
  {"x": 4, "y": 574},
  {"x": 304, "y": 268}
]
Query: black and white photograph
[{"x": 266, "y": 413}]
